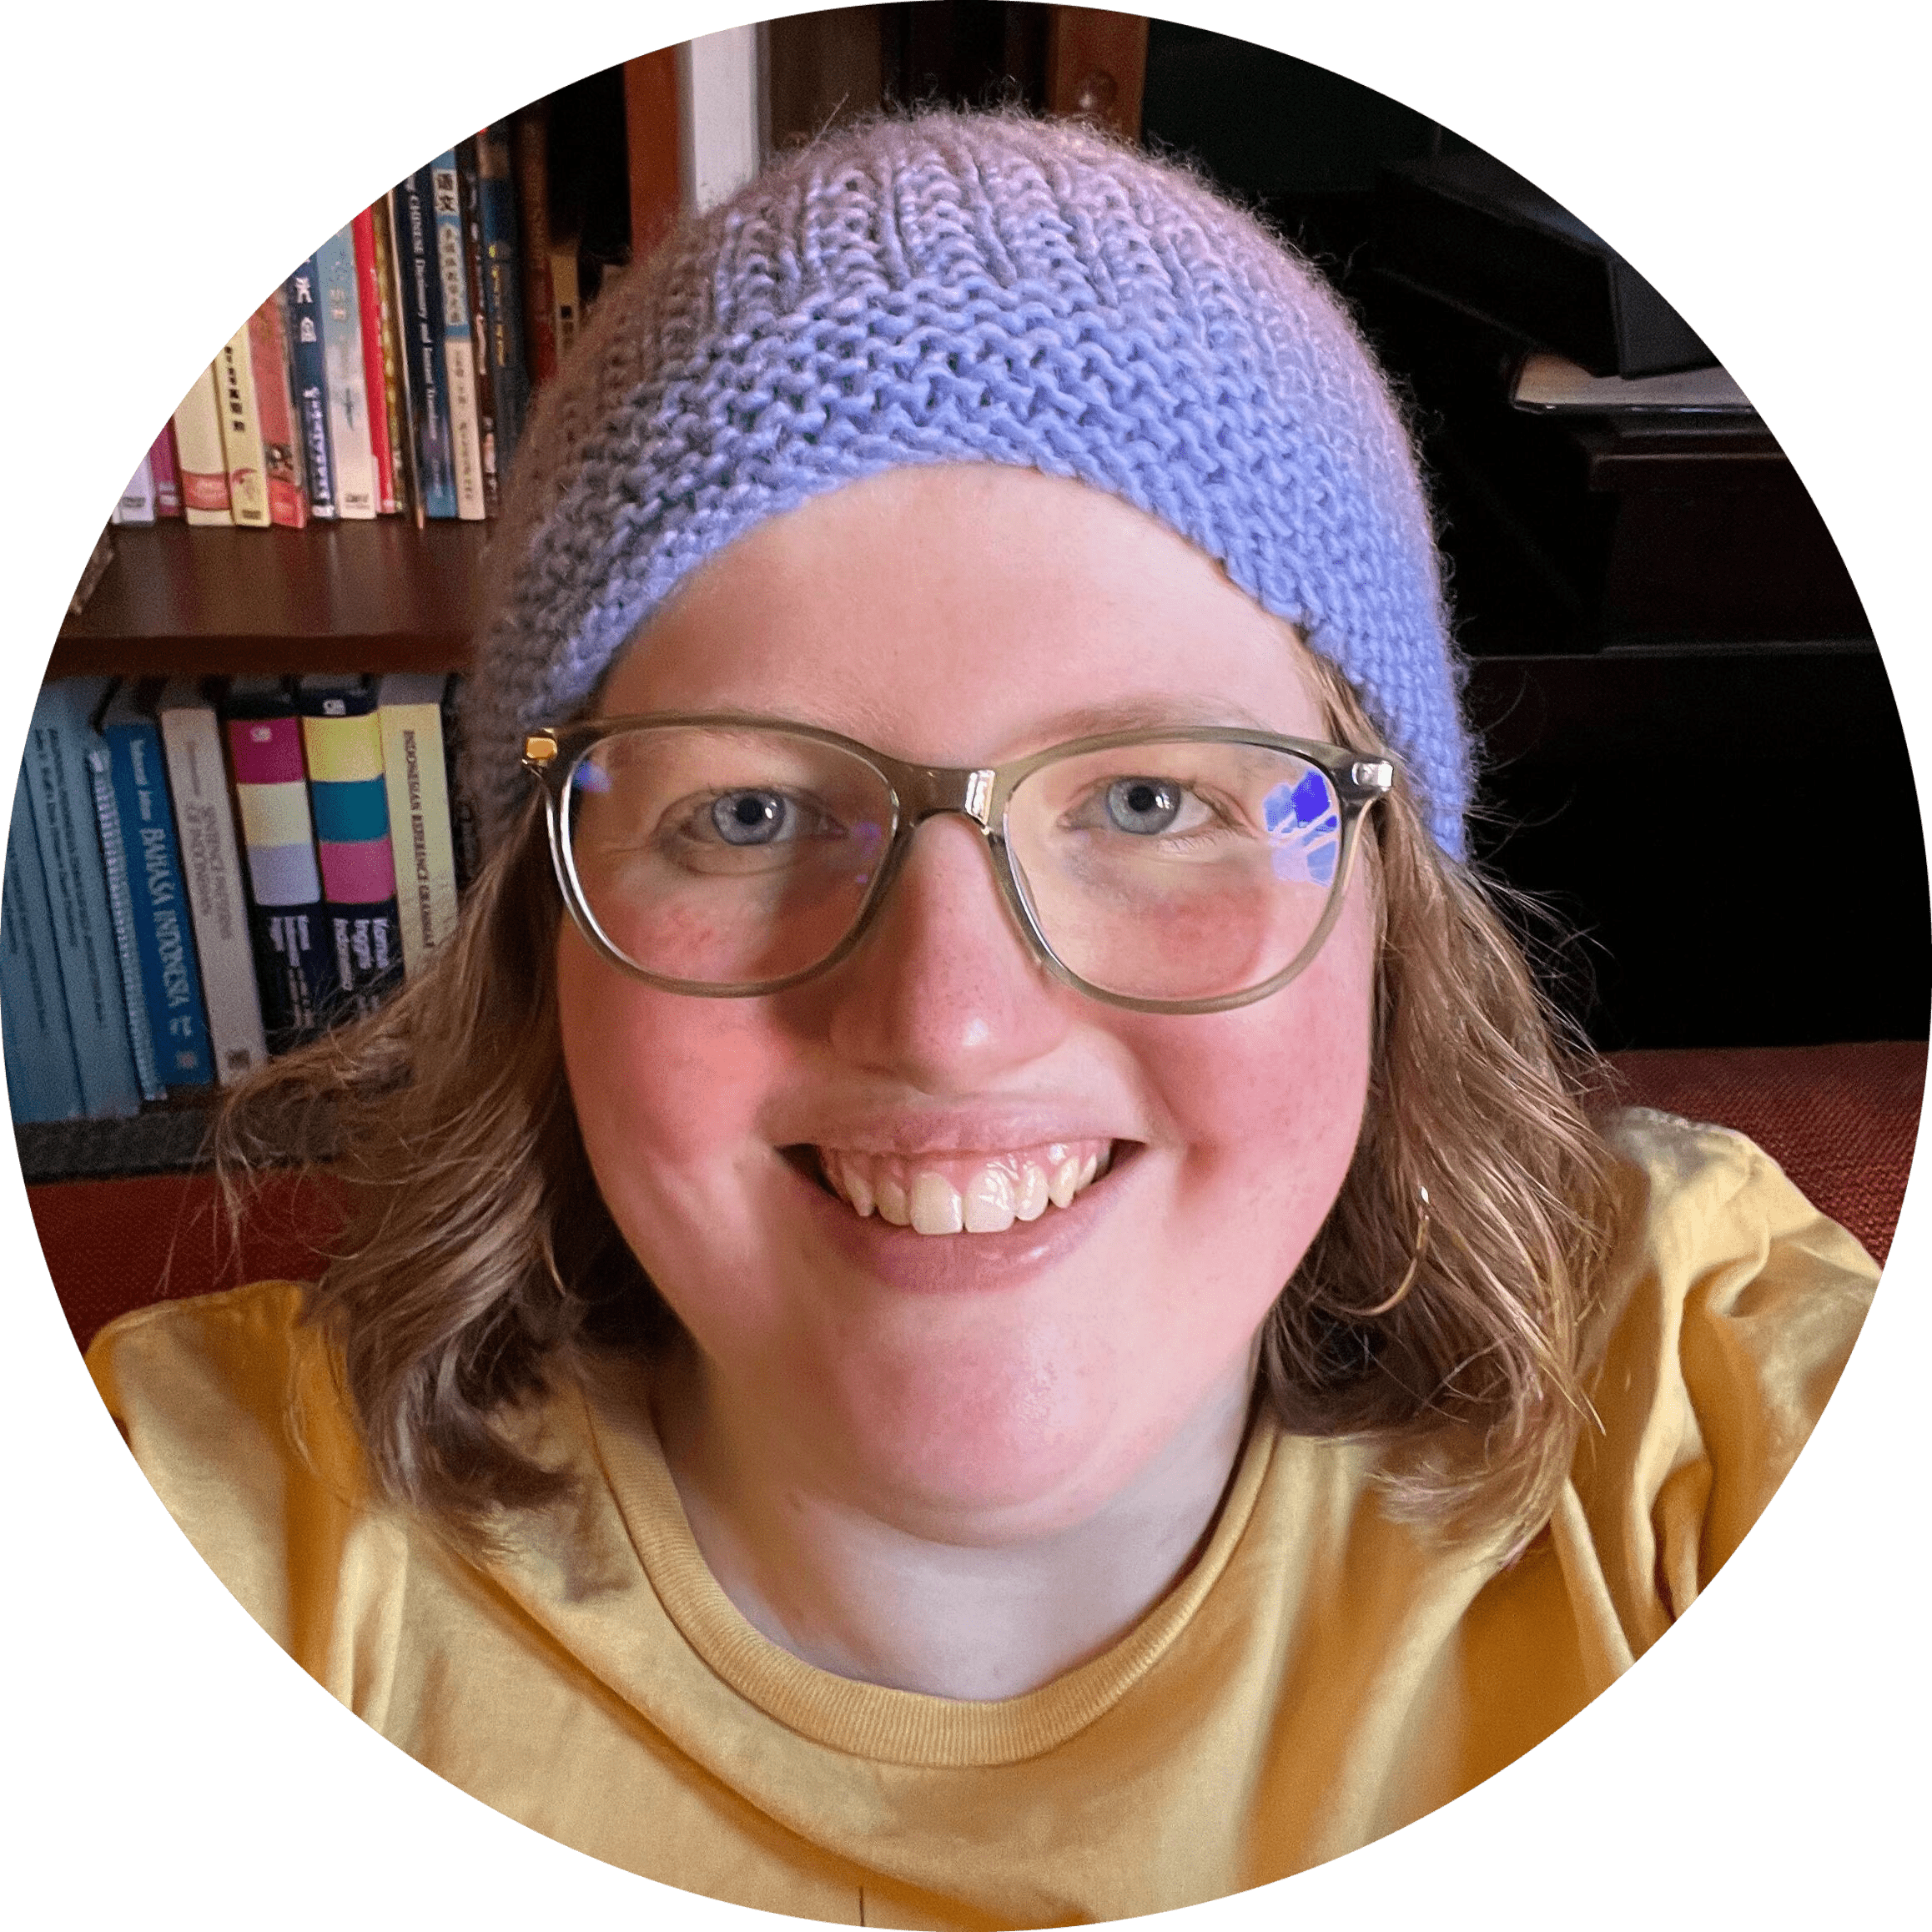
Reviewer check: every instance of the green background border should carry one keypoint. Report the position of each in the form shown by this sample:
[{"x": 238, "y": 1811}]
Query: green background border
[{"x": 1755, "y": 161}]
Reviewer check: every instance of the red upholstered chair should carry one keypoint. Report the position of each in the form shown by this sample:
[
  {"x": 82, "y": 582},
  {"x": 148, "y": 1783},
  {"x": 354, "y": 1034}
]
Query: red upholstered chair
[
  {"x": 113, "y": 1246},
  {"x": 1841, "y": 1121}
]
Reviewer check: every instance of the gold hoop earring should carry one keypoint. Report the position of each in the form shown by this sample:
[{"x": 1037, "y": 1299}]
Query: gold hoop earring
[{"x": 1408, "y": 1280}]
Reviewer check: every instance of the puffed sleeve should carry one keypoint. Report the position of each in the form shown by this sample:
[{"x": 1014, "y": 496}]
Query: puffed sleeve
[{"x": 1725, "y": 1315}]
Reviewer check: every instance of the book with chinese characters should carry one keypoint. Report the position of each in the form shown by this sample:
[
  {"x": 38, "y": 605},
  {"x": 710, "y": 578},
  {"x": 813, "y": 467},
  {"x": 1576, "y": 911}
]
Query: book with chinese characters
[
  {"x": 349, "y": 434},
  {"x": 459, "y": 345},
  {"x": 302, "y": 315},
  {"x": 241, "y": 434}
]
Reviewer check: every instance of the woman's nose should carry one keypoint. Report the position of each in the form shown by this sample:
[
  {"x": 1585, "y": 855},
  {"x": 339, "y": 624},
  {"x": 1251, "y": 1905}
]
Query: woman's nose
[{"x": 944, "y": 992}]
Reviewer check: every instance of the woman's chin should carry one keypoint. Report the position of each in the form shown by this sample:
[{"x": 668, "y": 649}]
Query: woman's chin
[{"x": 1010, "y": 1454}]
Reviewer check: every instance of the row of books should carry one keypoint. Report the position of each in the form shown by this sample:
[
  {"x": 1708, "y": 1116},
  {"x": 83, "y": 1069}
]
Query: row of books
[
  {"x": 391, "y": 372},
  {"x": 199, "y": 877}
]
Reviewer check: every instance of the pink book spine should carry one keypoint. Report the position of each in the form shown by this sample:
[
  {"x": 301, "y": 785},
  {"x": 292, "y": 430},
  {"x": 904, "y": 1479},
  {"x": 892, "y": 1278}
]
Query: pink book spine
[
  {"x": 166, "y": 471},
  {"x": 267, "y": 751},
  {"x": 369, "y": 300}
]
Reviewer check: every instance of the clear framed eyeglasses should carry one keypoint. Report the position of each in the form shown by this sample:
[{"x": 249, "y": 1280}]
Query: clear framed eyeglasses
[{"x": 1168, "y": 870}]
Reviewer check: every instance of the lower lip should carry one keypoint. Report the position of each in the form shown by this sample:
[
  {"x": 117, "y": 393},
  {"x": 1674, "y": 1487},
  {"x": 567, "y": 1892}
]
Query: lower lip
[{"x": 960, "y": 1263}]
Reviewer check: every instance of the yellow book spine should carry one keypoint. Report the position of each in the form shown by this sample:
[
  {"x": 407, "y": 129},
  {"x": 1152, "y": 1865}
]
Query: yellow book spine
[
  {"x": 199, "y": 452},
  {"x": 419, "y": 829},
  {"x": 343, "y": 751},
  {"x": 241, "y": 434}
]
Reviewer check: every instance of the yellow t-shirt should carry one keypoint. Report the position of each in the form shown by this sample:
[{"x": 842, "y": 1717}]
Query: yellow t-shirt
[{"x": 1322, "y": 1676}]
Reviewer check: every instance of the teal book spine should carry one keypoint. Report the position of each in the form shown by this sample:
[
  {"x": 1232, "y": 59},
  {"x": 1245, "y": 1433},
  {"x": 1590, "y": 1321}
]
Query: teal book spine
[
  {"x": 61, "y": 793},
  {"x": 170, "y": 977},
  {"x": 100, "y": 763},
  {"x": 42, "y": 1083}
]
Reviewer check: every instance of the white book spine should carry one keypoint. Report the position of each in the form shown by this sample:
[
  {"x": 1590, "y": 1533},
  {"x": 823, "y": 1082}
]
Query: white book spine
[
  {"x": 241, "y": 433},
  {"x": 137, "y": 504},
  {"x": 717, "y": 115},
  {"x": 410, "y": 709},
  {"x": 465, "y": 438},
  {"x": 211, "y": 866},
  {"x": 198, "y": 451}
]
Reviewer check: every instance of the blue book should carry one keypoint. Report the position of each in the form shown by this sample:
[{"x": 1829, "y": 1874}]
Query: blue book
[
  {"x": 60, "y": 788},
  {"x": 421, "y": 328},
  {"x": 170, "y": 974},
  {"x": 348, "y": 398},
  {"x": 459, "y": 340},
  {"x": 308, "y": 384},
  {"x": 502, "y": 289},
  {"x": 121, "y": 917},
  {"x": 42, "y": 1083}
]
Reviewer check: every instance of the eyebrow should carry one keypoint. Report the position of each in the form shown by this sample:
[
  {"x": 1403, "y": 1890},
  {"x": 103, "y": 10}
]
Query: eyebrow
[{"x": 1139, "y": 713}]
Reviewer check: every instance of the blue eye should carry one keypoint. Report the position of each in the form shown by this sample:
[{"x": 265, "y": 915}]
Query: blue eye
[
  {"x": 1144, "y": 805},
  {"x": 752, "y": 818}
]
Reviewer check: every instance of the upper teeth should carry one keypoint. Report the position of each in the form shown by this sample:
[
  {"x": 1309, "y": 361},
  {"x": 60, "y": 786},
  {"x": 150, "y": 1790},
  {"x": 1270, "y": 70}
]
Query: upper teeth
[{"x": 975, "y": 1194}]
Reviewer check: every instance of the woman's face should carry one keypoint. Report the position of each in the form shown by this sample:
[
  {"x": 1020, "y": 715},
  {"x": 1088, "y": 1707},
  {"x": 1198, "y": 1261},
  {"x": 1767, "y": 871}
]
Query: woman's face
[{"x": 968, "y": 1383}]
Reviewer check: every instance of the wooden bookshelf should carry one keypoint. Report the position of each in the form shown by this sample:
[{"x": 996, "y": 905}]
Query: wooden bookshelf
[
  {"x": 1694, "y": 942},
  {"x": 355, "y": 597},
  {"x": 165, "y": 1138},
  {"x": 1695, "y": 929}
]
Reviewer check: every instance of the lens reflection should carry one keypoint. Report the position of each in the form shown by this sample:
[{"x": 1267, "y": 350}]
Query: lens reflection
[
  {"x": 1177, "y": 871},
  {"x": 726, "y": 857}
]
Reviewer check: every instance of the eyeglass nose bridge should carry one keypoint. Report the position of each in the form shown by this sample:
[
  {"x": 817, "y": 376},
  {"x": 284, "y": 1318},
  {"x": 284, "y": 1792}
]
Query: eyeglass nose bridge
[
  {"x": 923, "y": 791},
  {"x": 930, "y": 791}
]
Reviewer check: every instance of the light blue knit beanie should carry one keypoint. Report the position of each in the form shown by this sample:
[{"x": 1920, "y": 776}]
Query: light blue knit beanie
[{"x": 968, "y": 288}]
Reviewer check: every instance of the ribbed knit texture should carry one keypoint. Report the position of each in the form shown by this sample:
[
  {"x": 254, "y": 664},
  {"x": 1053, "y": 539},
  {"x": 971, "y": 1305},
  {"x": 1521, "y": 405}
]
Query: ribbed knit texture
[{"x": 954, "y": 287}]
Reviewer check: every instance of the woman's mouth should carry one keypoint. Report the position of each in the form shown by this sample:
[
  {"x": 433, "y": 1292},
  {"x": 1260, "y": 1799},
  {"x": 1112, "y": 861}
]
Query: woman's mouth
[{"x": 952, "y": 1193}]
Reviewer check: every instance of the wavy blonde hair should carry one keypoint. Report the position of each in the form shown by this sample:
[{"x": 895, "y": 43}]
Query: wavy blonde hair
[{"x": 477, "y": 1255}]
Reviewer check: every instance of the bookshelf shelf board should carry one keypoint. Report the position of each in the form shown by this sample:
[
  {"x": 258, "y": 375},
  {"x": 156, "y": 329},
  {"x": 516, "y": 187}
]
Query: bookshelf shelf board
[
  {"x": 360, "y": 597},
  {"x": 170, "y": 1139}
]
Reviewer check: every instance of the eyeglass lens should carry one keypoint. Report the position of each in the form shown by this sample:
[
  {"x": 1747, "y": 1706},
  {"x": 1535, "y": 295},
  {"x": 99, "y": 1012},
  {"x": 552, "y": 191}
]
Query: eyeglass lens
[{"x": 733, "y": 857}]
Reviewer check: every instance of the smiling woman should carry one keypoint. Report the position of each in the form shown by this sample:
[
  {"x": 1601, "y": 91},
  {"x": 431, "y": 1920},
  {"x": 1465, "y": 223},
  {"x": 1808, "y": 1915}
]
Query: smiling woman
[
  {"x": 996, "y": 1390},
  {"x": 980, "y": 1291}
]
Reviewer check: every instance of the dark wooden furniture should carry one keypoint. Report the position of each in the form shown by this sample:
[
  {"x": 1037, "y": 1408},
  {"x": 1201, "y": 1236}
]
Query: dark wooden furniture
[{"x": 350, "y": 597}]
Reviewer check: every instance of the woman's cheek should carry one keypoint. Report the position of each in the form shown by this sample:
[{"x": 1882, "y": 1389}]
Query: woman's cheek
[
  {"x": 667, "y": 1091},
  {"x": 1269, "y": 1099}
]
